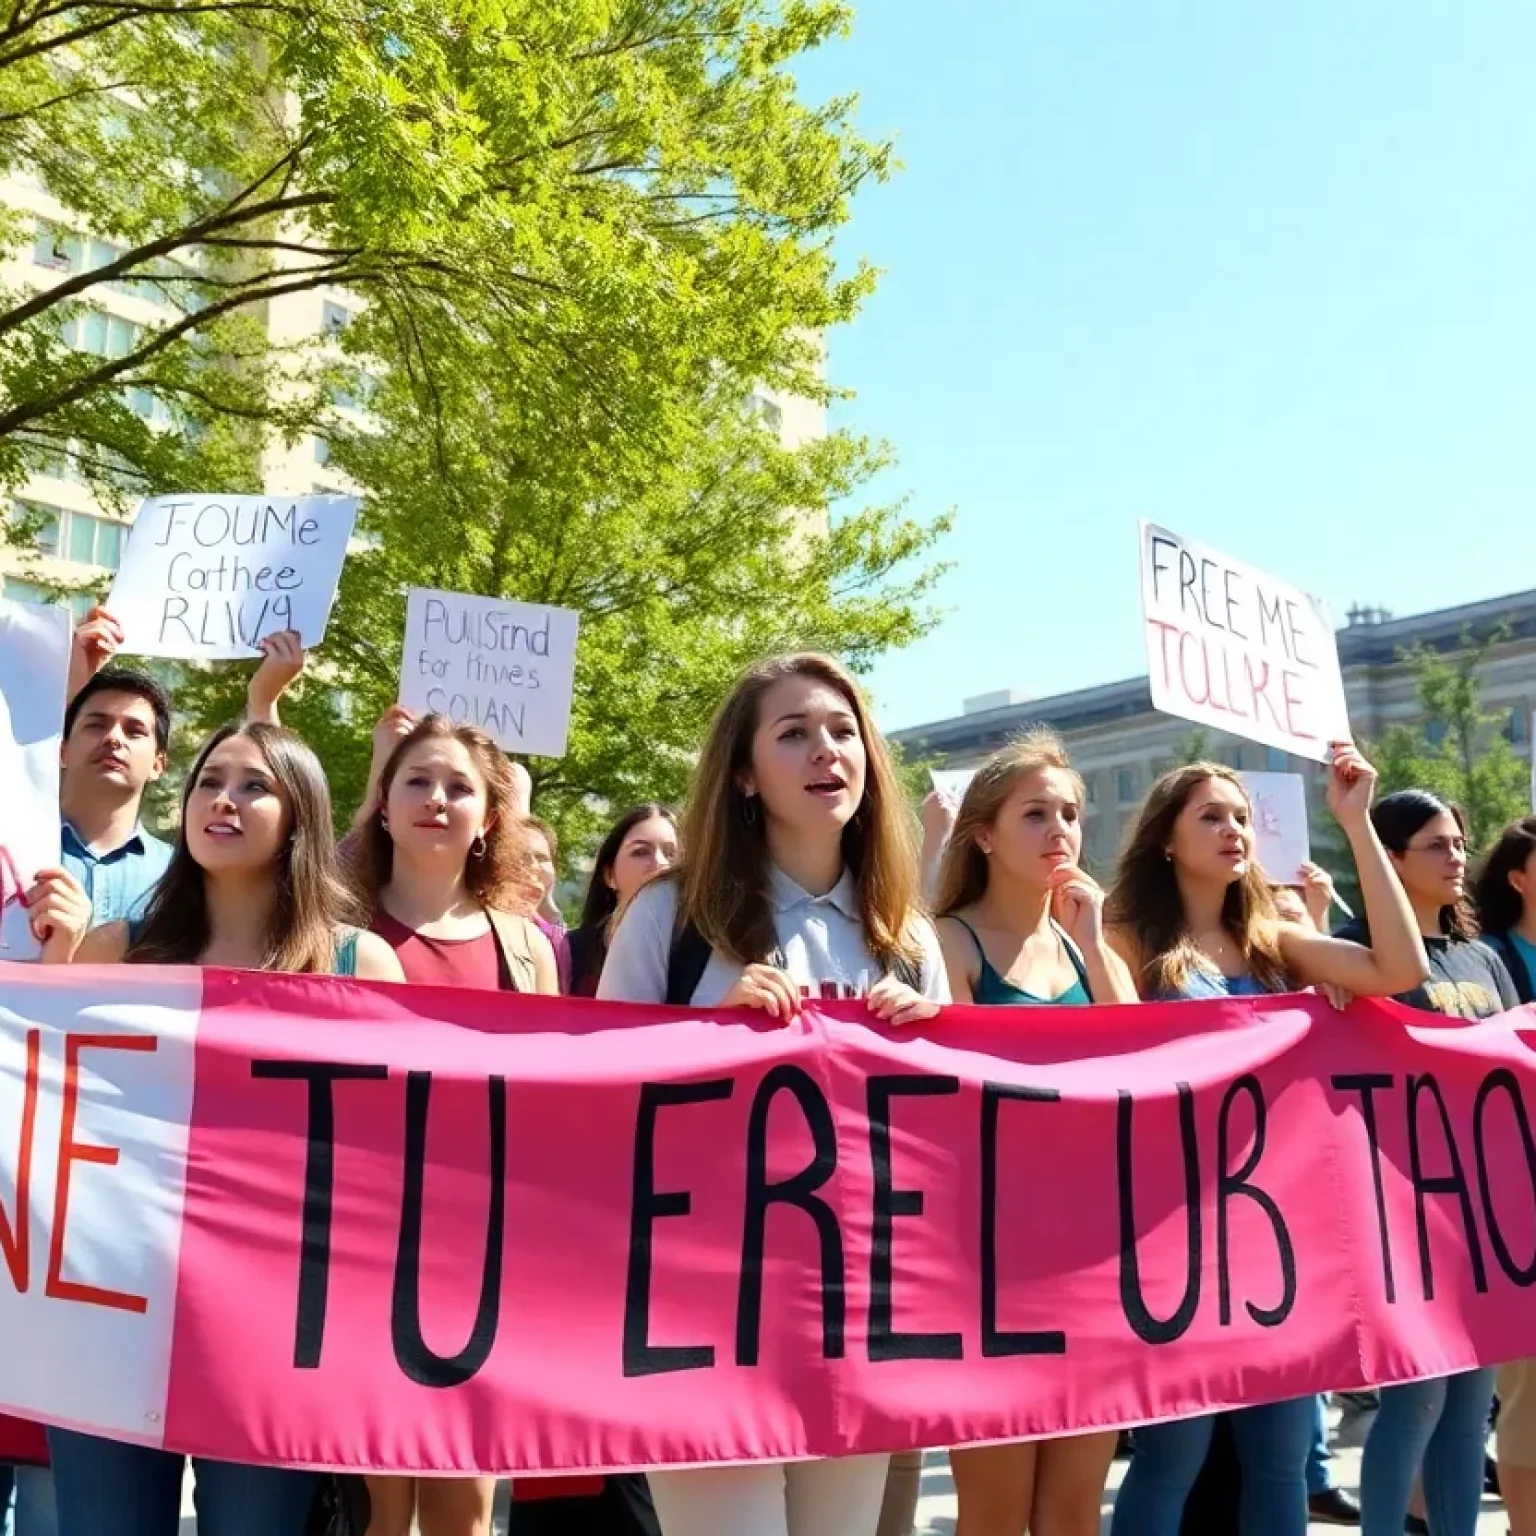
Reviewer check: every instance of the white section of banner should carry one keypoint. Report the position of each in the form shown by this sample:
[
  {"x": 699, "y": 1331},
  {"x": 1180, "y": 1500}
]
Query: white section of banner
[{"x": 109, "y": 1188}]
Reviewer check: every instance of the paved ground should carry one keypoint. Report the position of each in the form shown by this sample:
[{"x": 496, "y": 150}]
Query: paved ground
[{"x": 936, "y": 1510}]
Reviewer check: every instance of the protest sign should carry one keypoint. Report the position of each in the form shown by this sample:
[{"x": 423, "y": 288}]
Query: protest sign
[
  {"x": 1231, "y": 647},
  {"x": 952, "y": 781},
  {"x": 34, "y": 673},
  {"x": 204, "y": 578},
  {"x": 426, "y": 1229},
  {"x": 506, "y": 667},
  {"x": 1281, "y": 837}
]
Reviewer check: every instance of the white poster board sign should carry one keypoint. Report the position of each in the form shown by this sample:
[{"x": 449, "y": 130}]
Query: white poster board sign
[
  {"x": 506, "y": 667},
  {"x": 204, "y": 578},
  {"x": 1238, "y": 650},
  {"x": 952, "y": 781},
  {"x": 34, "y": 673},
  {"x": 1281, "y": 838}
]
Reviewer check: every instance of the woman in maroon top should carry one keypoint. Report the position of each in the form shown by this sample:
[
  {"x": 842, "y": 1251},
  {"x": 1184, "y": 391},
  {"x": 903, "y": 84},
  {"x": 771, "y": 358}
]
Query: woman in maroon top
[{"x": 440, "y": 864}]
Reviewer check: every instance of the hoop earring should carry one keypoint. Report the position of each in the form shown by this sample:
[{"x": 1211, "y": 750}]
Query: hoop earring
[
  {"x": 477, "y": 848},
  {"x": 749, "y": 811}
]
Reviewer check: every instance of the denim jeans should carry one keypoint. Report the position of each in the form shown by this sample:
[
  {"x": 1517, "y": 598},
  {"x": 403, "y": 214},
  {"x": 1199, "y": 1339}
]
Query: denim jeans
[
  {"x": 1272, "y": 1442},
  {"x": 1319, "y": 1478},
  {"x": 106, "y": 1488},
  {"x": 1442, "y": 1424}
]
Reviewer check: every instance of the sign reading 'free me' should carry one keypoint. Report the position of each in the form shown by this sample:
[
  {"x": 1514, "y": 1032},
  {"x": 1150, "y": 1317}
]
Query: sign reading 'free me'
[{"x": 1231, "y": 647}]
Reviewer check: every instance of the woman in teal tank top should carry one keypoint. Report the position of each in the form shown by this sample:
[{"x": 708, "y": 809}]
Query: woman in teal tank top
[{"x": 1021, "y": 926}]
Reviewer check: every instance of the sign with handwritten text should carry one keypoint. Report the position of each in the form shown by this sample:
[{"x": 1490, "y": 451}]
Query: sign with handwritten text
[
  {"x": 205, "y": 578},
  {"x": 1281, "y": 838},
  {"x": 506, "y": 667},
  {"x": 34, "y": 669},
  {"x": 1233, "y": 648}
]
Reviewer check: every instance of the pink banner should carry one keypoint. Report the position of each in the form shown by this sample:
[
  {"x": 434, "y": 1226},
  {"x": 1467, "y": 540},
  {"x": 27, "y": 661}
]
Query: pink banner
[{"x": 412, "y": 1228}]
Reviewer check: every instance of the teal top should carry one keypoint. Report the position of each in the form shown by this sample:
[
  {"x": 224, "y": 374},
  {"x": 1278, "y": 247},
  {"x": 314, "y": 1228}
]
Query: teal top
[
  {"x": 1526, "y": 950},
  {"x": 343, "y": 962},
  {"x": 994, "y": 989}
]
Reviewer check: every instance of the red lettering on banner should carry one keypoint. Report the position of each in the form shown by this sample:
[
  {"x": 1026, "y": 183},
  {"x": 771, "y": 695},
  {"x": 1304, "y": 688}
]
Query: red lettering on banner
[
  {"x": 1259, "y": 688},
  {"x": 15, "y": 1240},
  {"x": 71, "y": 1152}
]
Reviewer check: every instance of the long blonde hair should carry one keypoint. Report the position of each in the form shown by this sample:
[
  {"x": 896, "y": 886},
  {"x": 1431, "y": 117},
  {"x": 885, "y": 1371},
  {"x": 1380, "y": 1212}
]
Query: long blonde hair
[
  {"x": 724, "y": 872},
  {"x": 964, "y": 872},
  {"x": 1145, "y": 901}
]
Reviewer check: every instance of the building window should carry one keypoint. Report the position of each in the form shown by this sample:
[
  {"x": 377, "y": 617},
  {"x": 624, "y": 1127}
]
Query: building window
[
  {"x": 1275, "y": 760},
  {"x": 46, "y": 520},
  {"x": 25, "y": 592},
  {"x": 335, "y": 318},
  {"x": 75, "y": 536},
  {"x": 101, "y": 334},
  {"x": 1518, "y": 730},
  {"x": 1091, "y": 784},
  {"x": 94, "y": 540},
  {"x": 1127, "y": 785},
  {"x": 766, "y": 411},
  {"x": 1435, "y": 732},
  {"x": 56, "y": 248}
]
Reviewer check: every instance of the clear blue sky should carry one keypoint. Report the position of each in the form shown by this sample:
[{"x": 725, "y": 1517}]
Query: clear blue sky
[{"x": 1265, "y": 274}]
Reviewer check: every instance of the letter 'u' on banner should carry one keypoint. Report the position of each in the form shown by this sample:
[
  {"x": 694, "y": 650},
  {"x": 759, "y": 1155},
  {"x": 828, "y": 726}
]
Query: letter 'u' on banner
[{"x": 1238, "y": 650}]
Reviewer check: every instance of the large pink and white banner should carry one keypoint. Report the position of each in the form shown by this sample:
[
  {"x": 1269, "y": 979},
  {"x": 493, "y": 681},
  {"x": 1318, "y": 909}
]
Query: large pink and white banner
[{"x": 304, "y": 1220}]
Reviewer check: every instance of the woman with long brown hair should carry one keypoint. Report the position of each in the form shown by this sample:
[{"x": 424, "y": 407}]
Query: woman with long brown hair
[
  {"x": 252, "y": 883},
  {"x": 1021, "y": 925},
  {"x": 641, "y": 844},
  {"x": 1191, "y": 914},
  {"x": 798, "y": 878},
  {"x": 441, "y": 867}
]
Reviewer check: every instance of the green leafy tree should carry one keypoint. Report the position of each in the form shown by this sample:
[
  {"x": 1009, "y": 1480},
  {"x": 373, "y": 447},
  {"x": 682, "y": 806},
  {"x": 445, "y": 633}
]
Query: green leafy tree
[
  {"x": 684, "y": 565},
  {"x": 1459, "y": 750},
  {"x": 625, "y": 191}
]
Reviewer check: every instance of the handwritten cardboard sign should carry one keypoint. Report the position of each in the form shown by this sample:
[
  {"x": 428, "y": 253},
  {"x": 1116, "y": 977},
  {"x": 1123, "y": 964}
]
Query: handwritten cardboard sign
[
  {"x": 1281, "y": 837},
  {"x": 205, "y": 577},
  {"x": 1231, "y": 647},
  {"x": 34, "y": 672},
  {"x": 506, "y": 667}
]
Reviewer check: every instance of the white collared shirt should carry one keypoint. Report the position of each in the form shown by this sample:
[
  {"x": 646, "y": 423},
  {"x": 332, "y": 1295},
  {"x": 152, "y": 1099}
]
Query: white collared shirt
[{"x": 821, "y": 937}]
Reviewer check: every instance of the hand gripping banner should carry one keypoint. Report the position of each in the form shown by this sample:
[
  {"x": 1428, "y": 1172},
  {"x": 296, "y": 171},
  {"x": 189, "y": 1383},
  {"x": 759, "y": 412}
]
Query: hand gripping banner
[{"x": 310, "y": 1221}]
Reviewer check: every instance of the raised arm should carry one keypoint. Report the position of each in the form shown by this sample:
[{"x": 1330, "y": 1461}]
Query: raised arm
[
  {"x": 282, "y": 660},
  {"x": 1395, "y": 960}
]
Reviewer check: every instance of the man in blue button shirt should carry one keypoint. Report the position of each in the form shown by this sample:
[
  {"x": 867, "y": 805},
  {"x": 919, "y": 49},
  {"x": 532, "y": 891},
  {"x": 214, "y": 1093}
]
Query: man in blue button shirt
[{"x": 116, "y": 735}]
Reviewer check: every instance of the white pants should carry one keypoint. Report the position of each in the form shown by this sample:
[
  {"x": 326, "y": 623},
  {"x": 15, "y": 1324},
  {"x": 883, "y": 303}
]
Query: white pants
[{"x": 772, "y": 1498}]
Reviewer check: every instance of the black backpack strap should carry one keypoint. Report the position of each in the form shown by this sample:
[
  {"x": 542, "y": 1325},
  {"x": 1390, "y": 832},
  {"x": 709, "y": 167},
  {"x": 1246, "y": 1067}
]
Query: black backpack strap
[{"x": 686, "y": 963}]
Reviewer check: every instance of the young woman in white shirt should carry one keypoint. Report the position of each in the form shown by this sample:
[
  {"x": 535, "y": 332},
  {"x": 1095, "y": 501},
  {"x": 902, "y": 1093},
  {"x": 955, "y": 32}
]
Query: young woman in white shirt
[{"x": 798, "y": 878}]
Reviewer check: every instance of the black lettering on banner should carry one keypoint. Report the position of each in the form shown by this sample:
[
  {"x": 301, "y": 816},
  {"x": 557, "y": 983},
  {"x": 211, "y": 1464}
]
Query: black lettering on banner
[
  {"x": 1453, "y": 1183},
  {"x": 1230, "y": 1185},
  {"x": 1150, "y": 1329},
  {"x": 419, "y": 1362},
  {"x": 1501, "y": 1078},
  {"x": 319, "y": 1183},
  {"x": 647, "y": 1205},
  {"x": 1366, "y": 1084},
  {"x": 993, "y": 1343},
  {"x": 800, "y": 1192},
  {"x": 884, "y": 1342}
]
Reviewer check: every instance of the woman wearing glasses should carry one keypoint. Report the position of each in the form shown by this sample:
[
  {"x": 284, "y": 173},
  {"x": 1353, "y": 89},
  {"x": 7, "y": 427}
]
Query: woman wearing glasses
[{"x": 1442, "y": 1423}]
